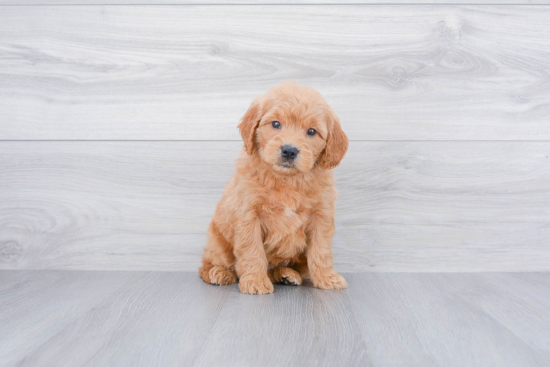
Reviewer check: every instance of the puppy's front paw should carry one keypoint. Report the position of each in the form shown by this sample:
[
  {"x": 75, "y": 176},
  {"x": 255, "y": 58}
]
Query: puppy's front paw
[
  {"x": 256, "y": 285},
  {"x": 330, "y": 280},
  {"x": 286, "y": 276},
  {"x": 220, "y": 275}
]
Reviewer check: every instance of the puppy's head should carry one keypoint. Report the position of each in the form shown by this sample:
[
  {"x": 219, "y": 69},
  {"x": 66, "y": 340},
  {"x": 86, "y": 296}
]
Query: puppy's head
[{"x": 293, "y": 129}]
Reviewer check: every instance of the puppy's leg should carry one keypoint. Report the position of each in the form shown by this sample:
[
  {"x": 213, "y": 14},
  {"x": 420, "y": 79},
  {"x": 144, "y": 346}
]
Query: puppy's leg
[
  {"x": 251, "y": 262},
  {"x": 301, "y": 267},
  {"x": 319, "y": 252},
  {"x": 284, "y": 275},
  {"x": 218, "y": 259}
]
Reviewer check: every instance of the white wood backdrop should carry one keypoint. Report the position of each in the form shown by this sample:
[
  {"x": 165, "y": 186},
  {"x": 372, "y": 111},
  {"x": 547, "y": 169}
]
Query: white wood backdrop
[
  {"x": 424, "y": 206},
  {"x": 262, "y": 2},
  {"x": 118, "y": 129},
  {"x": 190, "y": 72}
]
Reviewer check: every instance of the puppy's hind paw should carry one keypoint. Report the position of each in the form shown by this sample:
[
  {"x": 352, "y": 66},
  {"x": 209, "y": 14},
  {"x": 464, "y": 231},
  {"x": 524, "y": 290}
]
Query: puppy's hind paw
[
  {"x": 256, "y": 285},
  {"x": 286, "y": 276}
]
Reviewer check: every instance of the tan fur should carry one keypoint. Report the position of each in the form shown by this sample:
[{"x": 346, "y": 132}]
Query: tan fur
[{"x": 275, "y": 223}]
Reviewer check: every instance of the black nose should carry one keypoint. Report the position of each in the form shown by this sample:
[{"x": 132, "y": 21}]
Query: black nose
[{"x": 289, "y": 152}]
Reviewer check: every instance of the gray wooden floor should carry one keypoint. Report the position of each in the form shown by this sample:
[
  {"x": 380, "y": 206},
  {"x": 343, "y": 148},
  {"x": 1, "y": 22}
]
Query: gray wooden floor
[{"x": 76, "y": 318}]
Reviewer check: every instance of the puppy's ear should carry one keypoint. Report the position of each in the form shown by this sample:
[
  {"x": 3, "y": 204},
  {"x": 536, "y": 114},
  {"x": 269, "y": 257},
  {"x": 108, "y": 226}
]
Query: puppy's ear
[
  {"x": 337, "y": 143},
  {"x": 249, "y": 123}
]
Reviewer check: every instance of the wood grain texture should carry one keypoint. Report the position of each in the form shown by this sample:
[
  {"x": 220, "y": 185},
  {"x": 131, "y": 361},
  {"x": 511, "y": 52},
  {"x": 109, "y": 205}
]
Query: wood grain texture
[
  {"x": 448, "y": 319},
  {"x": 295, "y": 326},
  {"x": 42, "y": 304},
  {"x": 269, "y": 2},
  {"x": 189, "y": 73},
  {"x": 67, "y": 318},
  {"x": 157, "y": 319},
  {"x": 403, "y": 206}
]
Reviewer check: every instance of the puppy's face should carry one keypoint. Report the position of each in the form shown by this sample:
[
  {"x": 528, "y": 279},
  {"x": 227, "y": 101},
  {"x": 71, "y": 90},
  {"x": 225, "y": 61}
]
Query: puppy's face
[
  {"x": 292, "y": 129},
  {"x": 291, "y": 137}
]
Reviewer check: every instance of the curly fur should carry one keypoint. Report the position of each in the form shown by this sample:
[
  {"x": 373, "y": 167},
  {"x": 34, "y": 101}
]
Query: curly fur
[{"x": 275, "y": 221}]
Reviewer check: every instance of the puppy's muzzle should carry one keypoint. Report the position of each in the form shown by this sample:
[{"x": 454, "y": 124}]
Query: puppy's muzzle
[{"x": 289, "y": 152}]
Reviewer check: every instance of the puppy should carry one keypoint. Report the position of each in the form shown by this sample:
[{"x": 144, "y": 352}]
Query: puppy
[{"x": 275, "y": 221}]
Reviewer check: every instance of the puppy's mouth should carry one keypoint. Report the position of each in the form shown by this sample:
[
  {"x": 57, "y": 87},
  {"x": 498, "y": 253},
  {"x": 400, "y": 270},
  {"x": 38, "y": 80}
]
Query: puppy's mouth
[{"x": 286, "y": 165}]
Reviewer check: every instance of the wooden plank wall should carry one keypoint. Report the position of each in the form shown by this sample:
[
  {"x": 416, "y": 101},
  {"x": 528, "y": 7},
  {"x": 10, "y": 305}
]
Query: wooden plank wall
[{"x": 118, "y": 128}]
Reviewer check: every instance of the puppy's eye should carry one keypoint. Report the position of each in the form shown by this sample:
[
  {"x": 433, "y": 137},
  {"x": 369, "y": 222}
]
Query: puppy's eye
[
  {"x": 276, "y": 124},
  {"x": 311, "y": 132}
]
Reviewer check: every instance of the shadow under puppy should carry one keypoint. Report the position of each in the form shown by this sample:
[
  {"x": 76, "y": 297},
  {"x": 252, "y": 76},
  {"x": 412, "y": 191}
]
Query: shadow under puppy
[{"x": 275, "y": 221}]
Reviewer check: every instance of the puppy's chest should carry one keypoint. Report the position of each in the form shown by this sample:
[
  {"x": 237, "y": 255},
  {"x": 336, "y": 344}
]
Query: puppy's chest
[{"x": 284, "y": 220}]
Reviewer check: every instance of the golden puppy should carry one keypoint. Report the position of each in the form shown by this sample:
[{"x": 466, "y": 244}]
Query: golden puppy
[{"x": 275, "y": 221}]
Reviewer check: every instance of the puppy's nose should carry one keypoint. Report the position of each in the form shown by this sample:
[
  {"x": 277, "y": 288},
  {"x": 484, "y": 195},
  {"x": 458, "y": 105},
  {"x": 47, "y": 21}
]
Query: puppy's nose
[{"x": 289, "y": 152}]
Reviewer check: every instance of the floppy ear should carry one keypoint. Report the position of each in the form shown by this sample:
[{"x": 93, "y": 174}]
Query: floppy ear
[
  {"x": 337, "y": 144},
  {"x": 248, "y": 125}
]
